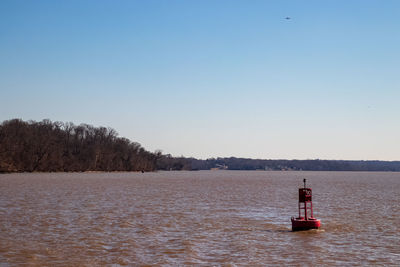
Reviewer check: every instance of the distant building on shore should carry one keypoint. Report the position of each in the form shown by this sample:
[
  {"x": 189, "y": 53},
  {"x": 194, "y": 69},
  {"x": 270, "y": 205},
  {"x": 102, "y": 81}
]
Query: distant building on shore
[{"x": 219, "y": 167}]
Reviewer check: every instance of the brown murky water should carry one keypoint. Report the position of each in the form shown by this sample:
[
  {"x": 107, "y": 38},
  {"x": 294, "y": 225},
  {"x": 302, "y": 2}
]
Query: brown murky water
[{"x": 197, "y": 218}]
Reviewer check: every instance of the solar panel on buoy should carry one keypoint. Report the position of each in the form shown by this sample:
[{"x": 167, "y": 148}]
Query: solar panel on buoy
[{"x": 306, "y": 220}]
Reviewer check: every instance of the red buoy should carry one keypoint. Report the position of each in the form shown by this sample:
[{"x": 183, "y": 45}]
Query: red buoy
[{"x": 307, "y": 221}]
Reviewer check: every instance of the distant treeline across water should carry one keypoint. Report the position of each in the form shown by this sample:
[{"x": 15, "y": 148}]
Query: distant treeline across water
[{"x": 46, "y": 146}]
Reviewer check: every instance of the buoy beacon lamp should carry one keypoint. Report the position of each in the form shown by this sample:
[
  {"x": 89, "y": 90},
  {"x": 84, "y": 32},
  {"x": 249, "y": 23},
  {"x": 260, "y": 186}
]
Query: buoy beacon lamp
[{"x": 305, "y": 221}]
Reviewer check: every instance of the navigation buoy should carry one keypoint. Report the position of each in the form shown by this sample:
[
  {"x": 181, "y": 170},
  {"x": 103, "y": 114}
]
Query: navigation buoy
[{"x": 305, "y": 222}]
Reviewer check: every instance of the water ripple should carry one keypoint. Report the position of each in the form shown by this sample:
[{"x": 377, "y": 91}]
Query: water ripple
[{"x": 197, "y": 218}]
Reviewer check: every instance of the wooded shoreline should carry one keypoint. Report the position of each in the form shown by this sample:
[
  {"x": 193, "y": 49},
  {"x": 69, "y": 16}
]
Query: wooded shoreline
[{"x": 30, "y": 146}]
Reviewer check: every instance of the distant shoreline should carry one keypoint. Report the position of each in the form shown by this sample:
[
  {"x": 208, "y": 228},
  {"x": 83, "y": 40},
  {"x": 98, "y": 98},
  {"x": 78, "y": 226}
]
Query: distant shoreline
[
  {"x": 46, "y": 146},
  {"x": 139, "y": 172}
]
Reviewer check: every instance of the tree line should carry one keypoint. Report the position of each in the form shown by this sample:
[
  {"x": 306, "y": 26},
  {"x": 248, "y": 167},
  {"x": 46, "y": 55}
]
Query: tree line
[
  {"x": 55, "y": 146},
  {"x": 233, "y": 163},
  {"x": 45, "y": 146}
]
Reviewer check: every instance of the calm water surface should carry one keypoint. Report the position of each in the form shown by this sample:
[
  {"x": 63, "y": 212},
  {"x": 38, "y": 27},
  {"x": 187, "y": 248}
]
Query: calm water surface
[{"x": 228, "y": 218}]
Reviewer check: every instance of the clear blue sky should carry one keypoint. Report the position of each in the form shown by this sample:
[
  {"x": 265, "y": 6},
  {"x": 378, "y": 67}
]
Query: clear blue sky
[{"x": 211, "y": 78}]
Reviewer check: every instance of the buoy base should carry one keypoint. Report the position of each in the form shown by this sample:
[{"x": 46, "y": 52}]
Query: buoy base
[{"x": 301, "y": 224}]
